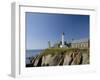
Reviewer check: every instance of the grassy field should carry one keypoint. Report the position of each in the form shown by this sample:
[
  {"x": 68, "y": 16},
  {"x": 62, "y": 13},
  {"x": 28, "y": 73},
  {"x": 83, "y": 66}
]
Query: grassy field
[{"x": 54, "y": 51}]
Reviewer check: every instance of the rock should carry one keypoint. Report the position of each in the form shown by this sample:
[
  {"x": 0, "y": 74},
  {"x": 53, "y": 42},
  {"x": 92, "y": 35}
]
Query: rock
[
  {"x": 76, "y": 57},
  {"x": 67, "y": 59},
  {"x": 57, "y": 59},
  {"x": 46, "y": 60},
  {"x": 85, "y": 58},
  {"x": 35, "y": 62}
]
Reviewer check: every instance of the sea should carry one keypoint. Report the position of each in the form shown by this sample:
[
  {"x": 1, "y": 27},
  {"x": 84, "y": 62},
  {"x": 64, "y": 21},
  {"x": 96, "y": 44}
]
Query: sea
[{"x": 32, "y": 53}]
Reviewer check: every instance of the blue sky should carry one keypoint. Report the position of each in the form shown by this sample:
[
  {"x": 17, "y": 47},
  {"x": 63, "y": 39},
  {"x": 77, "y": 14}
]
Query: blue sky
[{"x": 44, "y": 27}]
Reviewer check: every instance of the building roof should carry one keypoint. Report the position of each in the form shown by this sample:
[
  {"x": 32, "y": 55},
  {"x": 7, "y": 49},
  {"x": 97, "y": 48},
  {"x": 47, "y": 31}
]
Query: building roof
[{"x": 80, "y": 40}]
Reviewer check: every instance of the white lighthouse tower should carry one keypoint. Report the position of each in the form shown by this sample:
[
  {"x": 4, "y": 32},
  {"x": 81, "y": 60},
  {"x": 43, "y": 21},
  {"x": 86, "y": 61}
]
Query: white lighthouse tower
[{"x": 62, "y": 45}]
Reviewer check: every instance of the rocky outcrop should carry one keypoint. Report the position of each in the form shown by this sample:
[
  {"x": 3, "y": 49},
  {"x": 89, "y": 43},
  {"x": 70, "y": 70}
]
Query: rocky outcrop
[{"x": 63, "y": 57}]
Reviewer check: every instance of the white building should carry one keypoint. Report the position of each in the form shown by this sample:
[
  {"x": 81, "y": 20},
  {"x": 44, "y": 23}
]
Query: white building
[{"x": 82, "y": 43}]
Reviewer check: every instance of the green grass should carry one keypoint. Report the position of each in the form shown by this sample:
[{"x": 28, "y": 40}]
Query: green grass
[{"x": 54, "y": 51}]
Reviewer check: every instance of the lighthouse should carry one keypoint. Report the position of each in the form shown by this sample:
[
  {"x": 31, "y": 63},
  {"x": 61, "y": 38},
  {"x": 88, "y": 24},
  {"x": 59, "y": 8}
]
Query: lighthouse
[{"x": 62, "y": 40}]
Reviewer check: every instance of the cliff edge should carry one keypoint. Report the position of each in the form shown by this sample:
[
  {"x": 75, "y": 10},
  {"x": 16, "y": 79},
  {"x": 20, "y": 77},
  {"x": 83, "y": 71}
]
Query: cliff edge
[{"x": 61, "y": 56}]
